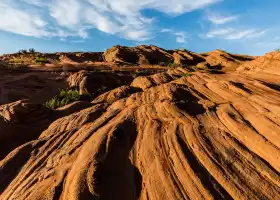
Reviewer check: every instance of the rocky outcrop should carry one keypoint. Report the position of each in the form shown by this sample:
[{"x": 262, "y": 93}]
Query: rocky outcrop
[
  {"x": 145, "y": 55},
  {"x": 199, "y": 136},
  {"x": 159, "y": 78},
  {"x": 138, "y": 55},
  {"x": 81, "y": 58},
  {"x": 154, "y": 55},
  {"x": 184, "y": 57},
  {"x": 222, "y": 60},
  {"x": 53, "y": 58},
  {"x": 269, "y": 63},
  {"x": 95, "y": 83},
  {"x": 21, "y": 122},
  {"x": 116, "y": 94},
  {"x": 35, "y": 86},
  {"x": 3, "y": 65}
]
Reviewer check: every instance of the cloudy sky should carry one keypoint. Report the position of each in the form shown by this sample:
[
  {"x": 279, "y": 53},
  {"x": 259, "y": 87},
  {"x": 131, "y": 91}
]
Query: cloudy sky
[{"x": 237, "y": 26}]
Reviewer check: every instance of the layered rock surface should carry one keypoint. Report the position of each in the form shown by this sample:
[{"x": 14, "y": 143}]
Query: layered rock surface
[
  {"x": 38, "y": 87},
  {"x": 154, "y": 55},
  {"x": 269, "y": 63},
  {"x": 222, "y": 60},
  {"x": 167, "y": 136}
]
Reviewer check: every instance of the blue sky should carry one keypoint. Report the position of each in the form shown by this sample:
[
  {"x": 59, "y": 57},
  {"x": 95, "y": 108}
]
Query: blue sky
[{"x": 237, "y": 26}]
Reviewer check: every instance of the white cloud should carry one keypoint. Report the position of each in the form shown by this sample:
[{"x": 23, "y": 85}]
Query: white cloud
[
  {"x": 181, "y": 37},
  {"x": 269, "y": 44},
  {"x": 66, "y": 12},
  {"x": 82, "y": 33},
  {"x": 225, "y": 32},
  {"x": 20, "y": 22},
  {"x": 78, "y": 41},
  {"x": 166, "y": 30},
  {"x": 74, "y": 17},
  {"x": 233, "y": 34},
  {"x": 219, "y": 19},
  {"x": 33, "y": 2},
  {"x": 257, "y": 34},
  {"x": 137, "y": 35},
  {"x": 239, "y": 35},
  {"x": 177, "y": 6},
  {"x": 251, "y": 33},
  {"x": 219, "y": 32}
]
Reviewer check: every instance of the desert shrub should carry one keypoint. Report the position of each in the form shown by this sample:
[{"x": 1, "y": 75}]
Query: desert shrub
[
  {"x": 63, "y": 98},
  {"x": 278, "y": 50},
  {"x": 168, "y": 63},
  {"x": 174, "y": 65},
  {"x": 41, "y": 60},
  {"x": 142, "y": 73},
  {"x": 22, "y": 51},
  {"x": 32, "y": 50},
  {"x": 181, "y": 49}
]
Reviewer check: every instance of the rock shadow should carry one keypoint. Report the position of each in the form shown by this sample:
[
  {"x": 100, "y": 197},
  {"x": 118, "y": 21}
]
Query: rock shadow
[
  {"x": 188, "y": 102},
  {"x": 205, "y": 177},
  {"x": 117, "y": 178}
]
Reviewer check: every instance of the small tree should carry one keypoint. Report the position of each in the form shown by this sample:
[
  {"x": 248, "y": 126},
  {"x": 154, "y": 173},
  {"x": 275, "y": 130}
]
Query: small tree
[
  {"x": 22, "y": 51},
  {"x": 31, "y": 50},
  {"x": 278, "y": 50}
]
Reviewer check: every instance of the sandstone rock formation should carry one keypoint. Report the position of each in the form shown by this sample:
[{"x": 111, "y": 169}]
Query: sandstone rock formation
[
  {"x": 183, "y": 57},
  {"x": 138, "y": 55},
  {"x": 3, "y": 65},
  {"x": 21, "y": 122},
  {"x": 78, "y": 58},
  {"x": 94, "y": 83},
  {"x": 154, "y": 55},
  {"x": 35, "y": 86},
  {"x": 53, "y": 58},
  {"x": 222, "y": 60},
  {"x": 167, "y": 136},
  {"x": 135, "y": 56},
  {"x": 269, "y": 63}
]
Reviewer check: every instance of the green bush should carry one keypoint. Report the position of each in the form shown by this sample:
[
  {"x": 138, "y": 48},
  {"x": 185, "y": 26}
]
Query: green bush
[
  {"x": 278, "y": 50},
  {"x": 63, "y": 98},
  {"x": 174, "y": 65},
  {"x": 41, "y": 60}
]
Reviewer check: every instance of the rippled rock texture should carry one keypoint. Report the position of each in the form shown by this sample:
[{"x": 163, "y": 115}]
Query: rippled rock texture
[{"x": 167, "y": 136}]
